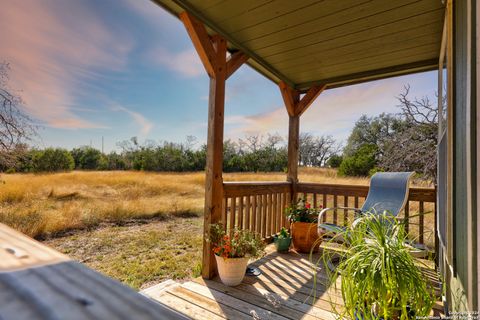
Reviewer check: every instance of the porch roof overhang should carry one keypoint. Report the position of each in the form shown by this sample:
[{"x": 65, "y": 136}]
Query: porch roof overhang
[{"x": 325, "y": 42}]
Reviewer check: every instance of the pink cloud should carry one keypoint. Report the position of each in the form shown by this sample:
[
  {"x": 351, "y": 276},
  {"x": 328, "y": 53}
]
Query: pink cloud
[{"x": 51, "y": 51}]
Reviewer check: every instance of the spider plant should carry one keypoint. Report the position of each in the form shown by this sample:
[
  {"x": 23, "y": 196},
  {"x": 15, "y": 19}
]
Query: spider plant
[{"x": 379, "y": 278}]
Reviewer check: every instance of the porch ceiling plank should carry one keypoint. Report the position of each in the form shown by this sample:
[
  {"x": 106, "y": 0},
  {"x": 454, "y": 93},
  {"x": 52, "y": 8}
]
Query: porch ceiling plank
[
  {"x": 201, "y": 41},
  {"x": 358, "y": 65},
  {"x": 362, "y": 48},
  {"x": 235, "y": 61},
  {"x": 370, "y": 17},
  {"x": 387, "y": 72},
  {"x": 312, "y": 42}
]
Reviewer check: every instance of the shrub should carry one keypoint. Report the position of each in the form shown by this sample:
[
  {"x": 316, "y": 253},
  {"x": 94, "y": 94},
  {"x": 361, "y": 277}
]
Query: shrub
[
  {"x": 52, "y": 160},
  {"x": 87, "y": 158},
  {"x": 360, "y": 163},
  {"x": 335, "y": 161}
]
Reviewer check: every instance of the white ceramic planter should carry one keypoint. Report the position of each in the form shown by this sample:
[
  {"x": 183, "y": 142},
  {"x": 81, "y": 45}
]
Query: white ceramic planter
[{"x": 231, "y": 270}]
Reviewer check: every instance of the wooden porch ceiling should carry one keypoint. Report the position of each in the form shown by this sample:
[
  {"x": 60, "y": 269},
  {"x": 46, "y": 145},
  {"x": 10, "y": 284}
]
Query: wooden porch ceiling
[{"x": 312, "y": 42}]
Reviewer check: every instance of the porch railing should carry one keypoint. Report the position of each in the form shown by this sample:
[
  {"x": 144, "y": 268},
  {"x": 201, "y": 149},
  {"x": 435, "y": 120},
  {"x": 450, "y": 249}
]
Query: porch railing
[{"x": 260, "y": 206}]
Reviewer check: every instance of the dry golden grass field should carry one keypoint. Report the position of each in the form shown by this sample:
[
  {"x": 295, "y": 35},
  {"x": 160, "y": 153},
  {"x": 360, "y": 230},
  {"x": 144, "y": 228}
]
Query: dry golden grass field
[{"x": 138, "y": 227}]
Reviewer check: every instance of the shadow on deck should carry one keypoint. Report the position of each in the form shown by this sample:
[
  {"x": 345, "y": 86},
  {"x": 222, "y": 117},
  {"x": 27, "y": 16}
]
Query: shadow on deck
[{"x": 284, "y": 290}]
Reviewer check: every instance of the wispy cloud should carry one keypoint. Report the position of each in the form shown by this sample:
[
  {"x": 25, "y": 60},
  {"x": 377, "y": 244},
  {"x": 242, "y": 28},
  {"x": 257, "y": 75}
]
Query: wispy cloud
[
  {"x": 185, "y": 62},
  {"x": 334, "y": 112},
  {"x": 145, "y": 125},
  {"x": 52, "y": 53}
]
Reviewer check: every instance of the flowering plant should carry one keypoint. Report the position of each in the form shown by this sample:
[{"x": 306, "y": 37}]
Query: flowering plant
[
  {"x": 301, "y": 211},
  {"x": 241, "y": 243}
]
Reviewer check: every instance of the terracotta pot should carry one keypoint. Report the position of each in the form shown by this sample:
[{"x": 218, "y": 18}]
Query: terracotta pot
[
  {"x": 304, "y": 236},
  {"x": 231, "y": 270}
]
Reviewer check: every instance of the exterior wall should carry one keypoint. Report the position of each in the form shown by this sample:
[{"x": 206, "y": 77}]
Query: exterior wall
[{"x": 460, "y": 267}]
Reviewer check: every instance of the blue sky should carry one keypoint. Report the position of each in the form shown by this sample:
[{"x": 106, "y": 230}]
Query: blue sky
[{"x": 123, "y": 68}]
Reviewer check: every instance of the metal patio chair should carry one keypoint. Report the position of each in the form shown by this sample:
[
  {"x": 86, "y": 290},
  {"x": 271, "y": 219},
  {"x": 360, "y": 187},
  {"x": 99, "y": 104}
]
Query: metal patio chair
[{"x": 388, "y": 193}]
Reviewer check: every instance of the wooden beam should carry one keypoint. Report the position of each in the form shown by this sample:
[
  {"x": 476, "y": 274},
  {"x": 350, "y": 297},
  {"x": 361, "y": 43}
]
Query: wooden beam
[
  {"x": 308, "y": 99},
  {"x": 201, "y": 41},
  {"x": 214, "y": 165},
  {"x": 235, "y": 61},
  {"x": 213, "y": 53},
  {"x": 290, "y": 97}
]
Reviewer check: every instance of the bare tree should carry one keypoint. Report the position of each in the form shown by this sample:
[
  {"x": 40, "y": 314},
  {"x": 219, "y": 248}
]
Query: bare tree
[
  {"x": 15, "y": 126},
  {"x": 315, "y": 151},
  {"x": 413, "y": 146}
]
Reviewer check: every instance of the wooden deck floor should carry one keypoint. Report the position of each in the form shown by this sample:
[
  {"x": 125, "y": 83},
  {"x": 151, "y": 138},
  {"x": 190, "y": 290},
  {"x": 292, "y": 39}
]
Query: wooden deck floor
[{"x": 283, "y": 291}]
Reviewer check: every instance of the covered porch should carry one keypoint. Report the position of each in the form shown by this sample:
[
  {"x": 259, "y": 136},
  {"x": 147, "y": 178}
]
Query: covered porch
[{"x": 305, "y": 48}]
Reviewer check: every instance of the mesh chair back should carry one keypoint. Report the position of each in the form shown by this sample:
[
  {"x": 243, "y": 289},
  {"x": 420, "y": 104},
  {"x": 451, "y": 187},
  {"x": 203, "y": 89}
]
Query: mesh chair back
[{"x": 388, "y": 192}]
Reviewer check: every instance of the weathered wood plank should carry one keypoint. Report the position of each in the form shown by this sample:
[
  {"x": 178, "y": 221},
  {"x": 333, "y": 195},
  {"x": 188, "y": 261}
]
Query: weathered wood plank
[
  {"x": 17, "y": 251},
  {"x": 189, "y": 309},
  {"x": 221, "y": 310},
  {"x": 234, "y": 302},
  {"x": 69, "y": 290},
  {"x": 254, "y": 300}
]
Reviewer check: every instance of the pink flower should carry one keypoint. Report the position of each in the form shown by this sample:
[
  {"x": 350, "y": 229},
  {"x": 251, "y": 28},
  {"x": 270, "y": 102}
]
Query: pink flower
[{"x": 307, "y": 205}]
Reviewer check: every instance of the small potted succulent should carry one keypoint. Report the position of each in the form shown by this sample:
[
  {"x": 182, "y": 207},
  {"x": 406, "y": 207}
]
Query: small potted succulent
[
  {"x": 282, "y": 240},
  {"x": 303, "y": 219},
  {"x": 232, "y": 252}
]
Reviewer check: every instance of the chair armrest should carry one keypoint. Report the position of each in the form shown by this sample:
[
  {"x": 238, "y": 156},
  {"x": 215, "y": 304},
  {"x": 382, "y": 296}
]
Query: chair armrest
[{"x": 323, "y": 212}]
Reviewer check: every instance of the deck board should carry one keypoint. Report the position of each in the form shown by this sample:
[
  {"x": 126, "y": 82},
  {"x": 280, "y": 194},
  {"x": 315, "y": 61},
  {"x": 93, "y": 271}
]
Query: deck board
[{"x": 283, "y": 291}]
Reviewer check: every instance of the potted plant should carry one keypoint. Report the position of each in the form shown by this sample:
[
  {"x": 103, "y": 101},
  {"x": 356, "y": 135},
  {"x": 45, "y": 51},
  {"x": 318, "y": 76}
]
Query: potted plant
[
  {"x": 232, "y": 252},
  {"x": 282, "y": 240},
  {"x": 379, "y": 277},
  {"x": 303, "y": 219}
]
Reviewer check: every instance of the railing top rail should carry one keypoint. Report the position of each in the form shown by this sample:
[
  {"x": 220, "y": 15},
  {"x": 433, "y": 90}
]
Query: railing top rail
[
  {"x": 254, "y": 183},
  {"x": 245, "y": 188}
]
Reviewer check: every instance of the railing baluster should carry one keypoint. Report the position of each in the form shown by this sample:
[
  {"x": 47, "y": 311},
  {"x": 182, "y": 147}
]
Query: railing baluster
[
  {"x": 224, "y": 214},
  {"x": 282, "y": 210},
  {"x": 233, "y": 212},
  {"x": 356, "y": 205},
  {"x": 324, "y": 196},
  {"x": 421, "y": 220},
  {"x": 345, "y": 211},
  {"x": 315, "y": 204},
  {"x": 278, "y": 218},
  {"x": 264, "y": 215},
  {"x": 335, "y": 204},
  {"x": 240, "y": 214},
  {"x": 247, "y": 213},
  {"x": 254, "y": 213},
  {"x": 407, "y": 215},
  {"x": 269, "y": 215}
]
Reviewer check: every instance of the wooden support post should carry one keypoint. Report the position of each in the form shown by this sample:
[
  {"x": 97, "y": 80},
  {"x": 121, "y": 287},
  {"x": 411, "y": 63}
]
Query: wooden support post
[
  {"x": 295, "y": 108},
  {"x": 293, "y": 146},
  {"x": 213, "y": 53}
]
